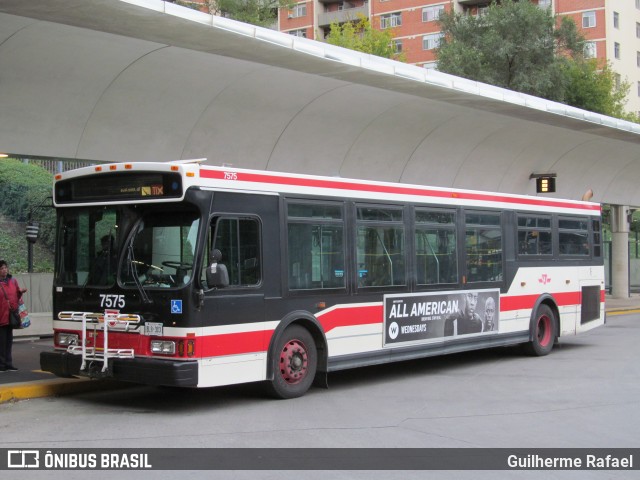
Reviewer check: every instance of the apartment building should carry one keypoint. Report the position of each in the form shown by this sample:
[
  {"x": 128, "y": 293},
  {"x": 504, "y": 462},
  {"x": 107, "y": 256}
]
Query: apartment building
[{"x": 612, "y": 27}]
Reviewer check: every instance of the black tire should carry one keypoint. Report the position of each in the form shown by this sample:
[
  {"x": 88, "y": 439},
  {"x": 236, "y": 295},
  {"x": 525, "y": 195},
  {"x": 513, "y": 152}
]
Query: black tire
[
  {"x": 293, "y": 362},
  {"x": 543, "y": 332}
]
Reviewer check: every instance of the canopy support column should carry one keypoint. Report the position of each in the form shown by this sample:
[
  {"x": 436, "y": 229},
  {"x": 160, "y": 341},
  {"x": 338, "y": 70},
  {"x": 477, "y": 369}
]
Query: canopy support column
[{"x": 620, "y": 251}]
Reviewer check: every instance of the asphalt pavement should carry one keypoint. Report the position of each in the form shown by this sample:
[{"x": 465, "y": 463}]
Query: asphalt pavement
[{"x": 31, "y": 382}]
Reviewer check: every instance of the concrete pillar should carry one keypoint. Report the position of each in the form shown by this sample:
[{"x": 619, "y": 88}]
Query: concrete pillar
[{"x": 620, "y": 251}]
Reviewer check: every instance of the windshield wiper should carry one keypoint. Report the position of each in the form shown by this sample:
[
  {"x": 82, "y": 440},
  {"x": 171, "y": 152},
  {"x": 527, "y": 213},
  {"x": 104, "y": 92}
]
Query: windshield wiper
[{"x": 134, "y": 272}]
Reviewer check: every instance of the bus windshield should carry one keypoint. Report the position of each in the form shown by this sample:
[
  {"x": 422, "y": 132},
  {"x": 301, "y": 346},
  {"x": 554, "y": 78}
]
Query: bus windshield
[{"x": 97, "y": 247}]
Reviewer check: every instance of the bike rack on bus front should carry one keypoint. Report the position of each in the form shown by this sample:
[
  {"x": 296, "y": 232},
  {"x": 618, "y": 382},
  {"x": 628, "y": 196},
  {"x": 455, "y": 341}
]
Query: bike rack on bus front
[{"x": 108, "y": 320}]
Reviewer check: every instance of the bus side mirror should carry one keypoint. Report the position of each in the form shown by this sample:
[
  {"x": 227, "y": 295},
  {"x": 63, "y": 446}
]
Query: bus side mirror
[{"x": 217, "y": 274}]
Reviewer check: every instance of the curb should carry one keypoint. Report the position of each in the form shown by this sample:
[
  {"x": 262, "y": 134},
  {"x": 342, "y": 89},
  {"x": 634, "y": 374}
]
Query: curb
[
  {"x": 622, "y": 311},
  {"x": 53, "y": 387}
]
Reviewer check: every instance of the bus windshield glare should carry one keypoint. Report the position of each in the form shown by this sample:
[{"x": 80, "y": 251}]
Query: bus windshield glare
[{"x": 99, "y": 246}]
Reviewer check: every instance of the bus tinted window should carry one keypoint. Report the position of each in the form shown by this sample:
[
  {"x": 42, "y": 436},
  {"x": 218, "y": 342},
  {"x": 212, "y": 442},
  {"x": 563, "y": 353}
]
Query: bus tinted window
[
  {"x": 436, "y": 250},
  {"x": 239, "y": 241},
  {"x": 484, "y": 219},
  {"x": 431, "y": 217},
  {"x": 534, "y": 235},
  {"x": 483, "y": 245},
  {"x": 379, "y": 214},
  {"x": 597, "y": 238},
  {"x": 573, "y": 235},
  {"x": 573, "y": 224},
  {"x": 380, "y": 247},
  {"x": 315, "y": 246},
  {"x": 534, "y": 222},
  {"x": 297, "y": 210}
]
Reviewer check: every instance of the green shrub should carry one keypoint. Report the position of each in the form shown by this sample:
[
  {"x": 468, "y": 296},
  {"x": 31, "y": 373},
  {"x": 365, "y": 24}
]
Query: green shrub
[{"x": 26, "y": 190}]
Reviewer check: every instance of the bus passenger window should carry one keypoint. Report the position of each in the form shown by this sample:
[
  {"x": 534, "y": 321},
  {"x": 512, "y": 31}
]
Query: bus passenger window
[
  {"x": 315, "y": 246},
  {"x": 534, "y": 235},
  {"x": 573, "y": 234},
  {"x": 483, "y": 247},
  {"x": 380, "y": 247},
  {"x": 436, "y": 250}
]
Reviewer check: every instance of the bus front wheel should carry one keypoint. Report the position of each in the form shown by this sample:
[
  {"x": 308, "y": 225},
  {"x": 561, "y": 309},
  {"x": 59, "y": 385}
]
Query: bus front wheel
[
  {"x": 294, "y": 363},
  {"x": 543, "y": 332}
]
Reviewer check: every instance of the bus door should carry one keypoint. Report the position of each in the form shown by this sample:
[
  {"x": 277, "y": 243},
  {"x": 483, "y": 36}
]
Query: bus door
[{"x": 243, "y": 240}]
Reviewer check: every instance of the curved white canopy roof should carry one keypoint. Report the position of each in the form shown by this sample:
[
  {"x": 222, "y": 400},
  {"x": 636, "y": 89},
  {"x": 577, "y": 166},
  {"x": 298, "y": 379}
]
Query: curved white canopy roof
[{"x": 148, "y": 81}]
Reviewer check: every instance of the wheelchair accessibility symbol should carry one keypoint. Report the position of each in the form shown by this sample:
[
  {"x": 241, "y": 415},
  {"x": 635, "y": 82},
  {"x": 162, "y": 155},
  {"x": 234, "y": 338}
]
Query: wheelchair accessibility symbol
[{"x": 176, "y": 306}]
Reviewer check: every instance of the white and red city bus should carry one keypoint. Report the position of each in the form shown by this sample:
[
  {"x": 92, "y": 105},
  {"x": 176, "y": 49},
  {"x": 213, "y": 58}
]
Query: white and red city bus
[{"x": 184, "y": 274}]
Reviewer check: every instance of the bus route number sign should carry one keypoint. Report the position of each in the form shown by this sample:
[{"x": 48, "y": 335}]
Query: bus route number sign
[{"x": 153, "y": 328}]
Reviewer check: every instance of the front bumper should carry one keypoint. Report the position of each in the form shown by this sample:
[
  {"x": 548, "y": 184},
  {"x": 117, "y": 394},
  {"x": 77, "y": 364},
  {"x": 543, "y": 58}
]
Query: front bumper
[{"x": 145, "y": 371}]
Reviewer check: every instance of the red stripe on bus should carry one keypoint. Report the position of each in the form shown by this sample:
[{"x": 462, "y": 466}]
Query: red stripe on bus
[
  {"x": 238, "y": 343},
  {"x": 390, "y": 189},
  {"x": 527, "y": 302},
  {"x": 350, "y": 316},
  {"x": 234, "y": 343},
  {"x": 258, "y": 341}
]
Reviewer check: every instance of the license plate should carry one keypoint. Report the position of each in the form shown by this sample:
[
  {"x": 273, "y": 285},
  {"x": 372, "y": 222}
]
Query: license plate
[{"x": 153, "y": 328}]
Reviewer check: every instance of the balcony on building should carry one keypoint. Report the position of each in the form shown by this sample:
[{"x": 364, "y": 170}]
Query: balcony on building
[
  {"x": 474, "y": 3},
  {"x": 341, "y": 12}
]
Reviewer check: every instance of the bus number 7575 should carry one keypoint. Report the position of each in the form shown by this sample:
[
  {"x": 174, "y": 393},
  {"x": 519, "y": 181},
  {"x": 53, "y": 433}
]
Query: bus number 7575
[{"x": 112, "y": 301}]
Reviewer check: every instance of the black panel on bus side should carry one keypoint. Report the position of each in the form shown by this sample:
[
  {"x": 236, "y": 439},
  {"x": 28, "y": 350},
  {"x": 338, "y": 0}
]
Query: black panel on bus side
[
  {"x": 237, "y": 304},
  {"x": 590, "y": 304}
]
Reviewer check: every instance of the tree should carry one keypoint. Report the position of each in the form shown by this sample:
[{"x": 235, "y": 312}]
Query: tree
[
  {"x": 24, "y": 189},
  {"x": 597, "y": 90},
  {"x": 361, "y": 36},
  {"x": 519, "y": 46},
  {"x": 515, "y": 45},
  {"x": 256, "y": 12}
]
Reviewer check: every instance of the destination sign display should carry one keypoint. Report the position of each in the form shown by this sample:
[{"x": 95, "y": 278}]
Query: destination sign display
[{"x": 119, "y": 186}]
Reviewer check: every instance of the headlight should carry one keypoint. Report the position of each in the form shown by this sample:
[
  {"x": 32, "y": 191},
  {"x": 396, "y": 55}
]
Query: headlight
[
  {"x": 163, "y": 347},
  {"x": 66, "y": 339}
]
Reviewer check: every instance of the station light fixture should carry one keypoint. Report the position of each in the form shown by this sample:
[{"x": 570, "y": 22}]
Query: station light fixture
[{"x": 545, "y": 182}]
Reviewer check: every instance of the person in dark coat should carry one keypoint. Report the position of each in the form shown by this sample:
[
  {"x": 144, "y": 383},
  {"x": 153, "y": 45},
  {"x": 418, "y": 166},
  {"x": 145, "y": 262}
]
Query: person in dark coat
[{"x": 9, "y": 300}]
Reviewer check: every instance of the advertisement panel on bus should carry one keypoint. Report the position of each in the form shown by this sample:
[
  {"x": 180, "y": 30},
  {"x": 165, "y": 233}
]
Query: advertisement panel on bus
[{"x": 423, "y": 317}]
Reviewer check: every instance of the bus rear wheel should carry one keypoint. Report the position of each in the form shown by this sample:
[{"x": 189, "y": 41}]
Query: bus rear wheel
[
  {"x": 543, "y": 332},
  {"x": 294, "y": 363}
]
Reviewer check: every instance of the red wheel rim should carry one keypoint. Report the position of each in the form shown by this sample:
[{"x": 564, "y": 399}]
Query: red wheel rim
[
  {"x": 544, "y": 330},
  {"x": 294, "y": 362}
]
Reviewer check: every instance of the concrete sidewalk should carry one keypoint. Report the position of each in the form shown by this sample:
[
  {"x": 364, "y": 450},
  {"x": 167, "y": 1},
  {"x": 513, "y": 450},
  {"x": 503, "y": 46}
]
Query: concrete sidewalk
[
  {"x": 622, "y": 305},
  {"x": 31, "y": 382}
]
